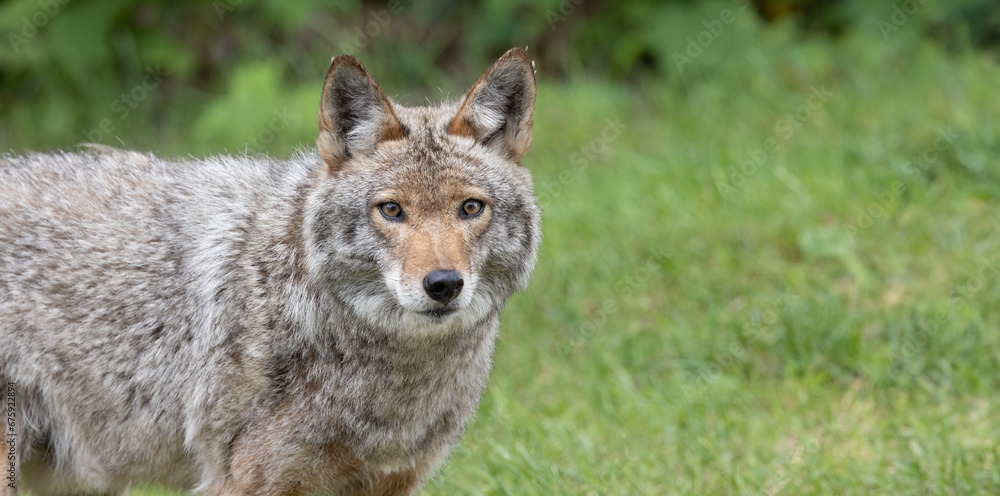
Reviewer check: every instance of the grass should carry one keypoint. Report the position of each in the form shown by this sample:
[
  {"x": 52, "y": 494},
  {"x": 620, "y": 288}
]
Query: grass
[
  {"x": 823, "y": 322},
  {"x": 777, "y": 347}
]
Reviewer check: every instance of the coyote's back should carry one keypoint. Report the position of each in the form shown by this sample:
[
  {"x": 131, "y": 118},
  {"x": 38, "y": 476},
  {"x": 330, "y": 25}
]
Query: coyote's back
[{"x": 242, "y": 325}]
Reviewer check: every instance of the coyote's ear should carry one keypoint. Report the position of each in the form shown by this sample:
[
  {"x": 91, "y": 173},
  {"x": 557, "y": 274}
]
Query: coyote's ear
[
  {"x": 497, "y": 111},
  {"x": 354, "y": 113}
]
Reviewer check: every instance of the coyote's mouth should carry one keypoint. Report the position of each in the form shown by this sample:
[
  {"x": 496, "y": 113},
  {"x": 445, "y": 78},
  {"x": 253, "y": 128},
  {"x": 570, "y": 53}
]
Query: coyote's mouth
[{"x": 439, "y": 313}]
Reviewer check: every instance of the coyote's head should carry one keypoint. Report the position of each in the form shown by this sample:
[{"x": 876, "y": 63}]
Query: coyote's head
[{"x": 424, "y": 220}]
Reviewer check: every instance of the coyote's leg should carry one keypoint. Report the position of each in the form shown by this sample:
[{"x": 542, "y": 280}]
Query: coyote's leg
[
  {"x": 396, "y": 484},
  {"x": 267, "y": 459}
]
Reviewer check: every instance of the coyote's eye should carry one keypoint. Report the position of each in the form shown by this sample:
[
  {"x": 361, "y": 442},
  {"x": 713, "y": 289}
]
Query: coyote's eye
[
  {"x": 472, "y": 208},
  {"x": 391, "y": 210}
]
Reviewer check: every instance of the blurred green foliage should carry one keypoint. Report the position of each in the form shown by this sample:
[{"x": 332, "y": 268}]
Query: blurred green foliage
[{"x": 75, "y": 71}]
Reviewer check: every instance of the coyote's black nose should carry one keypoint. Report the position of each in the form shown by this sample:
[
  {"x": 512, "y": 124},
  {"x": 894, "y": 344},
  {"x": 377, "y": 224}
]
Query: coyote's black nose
[{"x": 443, "y": 285}]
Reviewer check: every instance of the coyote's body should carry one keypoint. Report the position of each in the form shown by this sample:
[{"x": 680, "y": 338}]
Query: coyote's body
[{"x": 241, "y": 325}]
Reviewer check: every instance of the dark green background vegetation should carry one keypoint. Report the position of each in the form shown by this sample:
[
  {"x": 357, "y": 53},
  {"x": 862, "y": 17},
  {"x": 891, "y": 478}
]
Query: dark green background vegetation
[{"x": 227, "y": 64}]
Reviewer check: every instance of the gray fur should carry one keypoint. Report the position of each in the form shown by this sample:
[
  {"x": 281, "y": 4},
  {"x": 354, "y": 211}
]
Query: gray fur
[{"x": 227, "y": 325}]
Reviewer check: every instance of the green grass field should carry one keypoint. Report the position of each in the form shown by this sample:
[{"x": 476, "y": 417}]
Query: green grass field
[
  {"x": 775, "y": 274},
  {"x": 823, "y": 322}
]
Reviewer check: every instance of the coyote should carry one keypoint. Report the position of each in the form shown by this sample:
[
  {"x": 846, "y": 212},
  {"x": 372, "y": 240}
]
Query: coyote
[{"x": 250, "y": 326}]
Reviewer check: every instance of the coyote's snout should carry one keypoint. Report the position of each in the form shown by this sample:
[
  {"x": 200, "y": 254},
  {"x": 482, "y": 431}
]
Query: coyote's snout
[
  {"x": 248, "y": 326},
  {"x": 443, "y": 285},
  {"x": 435, "y": 258}
]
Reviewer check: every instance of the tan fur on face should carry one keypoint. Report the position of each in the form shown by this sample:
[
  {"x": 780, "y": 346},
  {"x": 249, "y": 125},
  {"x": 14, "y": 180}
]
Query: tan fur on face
[{"x": 432, "y": 235}]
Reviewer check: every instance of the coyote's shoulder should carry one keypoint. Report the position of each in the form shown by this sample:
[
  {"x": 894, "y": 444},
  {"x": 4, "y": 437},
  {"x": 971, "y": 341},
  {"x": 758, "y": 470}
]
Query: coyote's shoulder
[{"x": 246, "y": 325}]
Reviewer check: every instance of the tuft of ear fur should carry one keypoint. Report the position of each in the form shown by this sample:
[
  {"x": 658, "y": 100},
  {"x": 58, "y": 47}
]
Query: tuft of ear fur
[
  {"x": 354, "y": 114},
  {"x": 497, "y": 111}
]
